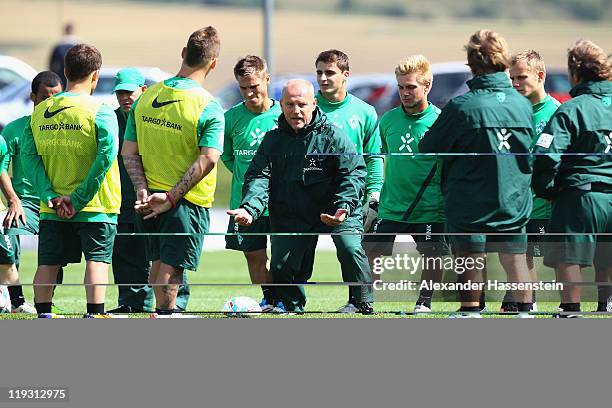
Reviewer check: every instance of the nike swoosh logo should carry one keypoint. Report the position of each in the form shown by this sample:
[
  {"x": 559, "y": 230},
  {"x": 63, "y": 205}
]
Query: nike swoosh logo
[
  {"x": 49, "y": 114},
  {"x": 157, "y": 104}
]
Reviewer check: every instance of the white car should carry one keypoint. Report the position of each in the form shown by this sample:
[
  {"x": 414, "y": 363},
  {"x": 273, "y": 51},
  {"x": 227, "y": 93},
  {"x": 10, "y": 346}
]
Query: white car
[
  {"x": 15, "y": 100},
  {"x": 13, "y": 70}
]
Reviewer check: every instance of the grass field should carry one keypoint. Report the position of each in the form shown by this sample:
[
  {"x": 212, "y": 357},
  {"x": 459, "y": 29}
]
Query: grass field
[{"x": 223, "y": 274}]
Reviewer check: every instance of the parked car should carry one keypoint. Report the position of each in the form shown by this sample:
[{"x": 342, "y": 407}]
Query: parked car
[
  {"x": 14, "y": 71},
  {"x": 15, "y": 100},
  {"x": 379, "y": 90}
]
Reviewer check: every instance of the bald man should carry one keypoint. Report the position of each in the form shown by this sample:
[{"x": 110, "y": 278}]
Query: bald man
[{"x": 307, "y": 173}]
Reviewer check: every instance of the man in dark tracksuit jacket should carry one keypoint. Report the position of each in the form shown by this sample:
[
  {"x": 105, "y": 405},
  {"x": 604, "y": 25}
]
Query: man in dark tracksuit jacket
[
  {"x": 573, "y": 167},
  {"x": 309, "y": 175},
  {"x": 484, "y": 138}
]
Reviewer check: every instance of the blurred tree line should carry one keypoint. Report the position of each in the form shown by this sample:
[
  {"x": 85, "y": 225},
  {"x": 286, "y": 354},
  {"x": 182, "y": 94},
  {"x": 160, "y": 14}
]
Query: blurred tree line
[{"x": 589, "y": 10}]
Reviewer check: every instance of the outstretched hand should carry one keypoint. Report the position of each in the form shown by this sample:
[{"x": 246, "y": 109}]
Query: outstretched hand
[
  {"x": 241, "y": 216},
  {"x": 336, "y": 219}
]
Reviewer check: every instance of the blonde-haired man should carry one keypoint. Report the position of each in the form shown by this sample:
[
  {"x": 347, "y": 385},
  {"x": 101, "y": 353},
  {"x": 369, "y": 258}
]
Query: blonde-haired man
[
  {"x": 528, "y": 74},
  {"x": 410, "y": 201},
  {"x": 484, "y": 138}
]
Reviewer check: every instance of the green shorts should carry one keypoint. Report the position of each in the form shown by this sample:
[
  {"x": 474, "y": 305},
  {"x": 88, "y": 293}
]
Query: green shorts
[
  {"x": 512, "y": 242},
  {"x": 32, "y": 213},
  {"x": 536, "y": 232},
  {"x": 248, "y": 243},
  {"x": 176, "y": 237},
  {"x": 8, "y": 252},
  {"x": 428, "y": 244},
  {"x": 62, "y": 242},
  {"x": 581, "y": 215}
]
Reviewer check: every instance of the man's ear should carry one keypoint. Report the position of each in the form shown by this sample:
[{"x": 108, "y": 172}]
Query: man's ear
[
  {"x": 95, "y": 76},
  {"x": 143, "y": 88},
  {"x": 213, "y": 64},
  {"x": 33, "y": 97},
  {"x": 183, "y": 52},
  {"x": 541, "y": 76}
]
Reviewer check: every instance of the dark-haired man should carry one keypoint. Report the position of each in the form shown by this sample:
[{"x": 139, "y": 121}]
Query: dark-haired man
[
  {"x": 70, "y": 157},
  {"x": 245, "y": 127},
  {"x": 359, "y": 121},
  {"x": 23, "y": 215},
  {"x": 173, "y": 141}
]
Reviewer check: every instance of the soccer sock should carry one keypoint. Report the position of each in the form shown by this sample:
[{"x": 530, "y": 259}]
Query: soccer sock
[
  {"x": 16, "y": 294},
  {"x": 95, "y": 308},
  {"x": 570, "y": 307},
  {"x": 524, "y": 307},
  {"x": 268, "y": 294},
  {"x": 43, "y": 307},
  {"x": 603, "y": 294},
  {"x": 483, "y": 302},
  {"x": 425, "y": 296}
]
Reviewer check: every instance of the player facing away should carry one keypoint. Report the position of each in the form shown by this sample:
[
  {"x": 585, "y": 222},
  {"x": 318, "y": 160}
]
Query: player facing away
[
  {"x": 308, "y": 175},
  {"x": 573, "y": 168},
  {"x": 22, "y": 217},
  {"x": 484, "y": 138},
  {"x": 70, "y": 157},
  {"x": 359, "y": 121},
  {"x": 411, "y": 200},
  {"x": 528, "y": 74},
  {"x": 173, "y": 141},
  {"x": 246, "y": 125}
]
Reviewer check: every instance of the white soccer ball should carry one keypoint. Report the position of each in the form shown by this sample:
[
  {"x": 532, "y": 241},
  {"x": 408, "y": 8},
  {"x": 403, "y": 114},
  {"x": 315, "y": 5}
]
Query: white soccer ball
[
  {"x": 241, "y": 306},
  {"x": 5, "y": 300}
]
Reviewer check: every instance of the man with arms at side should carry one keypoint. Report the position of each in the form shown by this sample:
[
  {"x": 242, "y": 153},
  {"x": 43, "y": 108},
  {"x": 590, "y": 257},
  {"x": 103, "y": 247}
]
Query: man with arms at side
[
  {"x": 173, "y": 141},
  {"x": 359, "y": 122},
  {"x": 573, "y": 168},
  {"x": 483, "y": 138},
  {"x": 70, "y": 157},
  {"x": 528, "y": 74},
  {"x": 411, "y": 200},
  {"x": 245, "y": 127},
  {"x": 308, "y": 175},
  {"x": 23, "y": 215}
]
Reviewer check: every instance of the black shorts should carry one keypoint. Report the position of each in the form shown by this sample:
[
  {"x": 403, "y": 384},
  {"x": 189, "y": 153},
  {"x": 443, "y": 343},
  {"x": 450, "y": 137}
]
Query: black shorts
[
  {"x": 428, "y": 237},
  {"x": 248, "y": 243}
]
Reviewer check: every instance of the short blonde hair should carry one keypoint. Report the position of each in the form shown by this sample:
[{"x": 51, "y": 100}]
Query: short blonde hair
[
  {"x": 416, "y": 63},
  {"x": 589, "y": 62},
  {"x": 532, "y": 58},
  {"x": 487, "y": 52}
]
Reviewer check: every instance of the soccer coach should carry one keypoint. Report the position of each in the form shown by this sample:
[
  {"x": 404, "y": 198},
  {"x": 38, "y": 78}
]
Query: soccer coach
[{"x": 309, "y": 175}]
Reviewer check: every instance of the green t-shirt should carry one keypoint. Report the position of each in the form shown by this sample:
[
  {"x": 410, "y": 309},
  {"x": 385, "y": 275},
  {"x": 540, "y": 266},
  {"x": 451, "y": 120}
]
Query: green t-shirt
[
  {"x": 405, "y": 170},
  {"x": 244, "y": 132},
  {"x": 360, "y": 122},
  {"x": 107, "y": 142},
  {"x": 12, "y": 134},
  {"x": 210, "y": 125},
  {"x": 542, "y": 112},
  {"x": 3, "y": 149}
]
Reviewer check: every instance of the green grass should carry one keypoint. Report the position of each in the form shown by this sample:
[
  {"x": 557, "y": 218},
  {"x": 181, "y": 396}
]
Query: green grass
[{"x": 223, "y": 274}]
